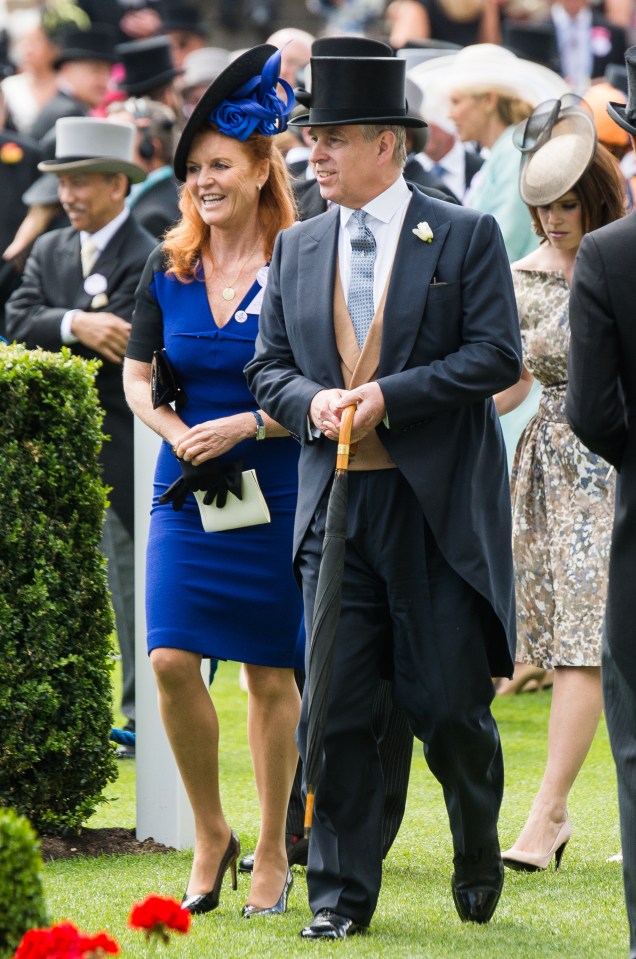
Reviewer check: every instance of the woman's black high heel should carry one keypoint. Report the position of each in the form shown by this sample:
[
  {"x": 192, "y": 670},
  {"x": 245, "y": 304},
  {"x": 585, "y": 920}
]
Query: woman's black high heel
[
  {"x": 278, "y": 907},
  {"x": 207, "y": 901}
]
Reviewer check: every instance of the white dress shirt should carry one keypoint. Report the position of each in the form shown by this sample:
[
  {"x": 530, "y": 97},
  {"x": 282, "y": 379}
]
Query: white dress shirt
[
  {"x": 575, "y": 49},
  {"x": 101, "y": 239},
  {"x": 385, "y": 215},
  {"x": 454, "y": 163}
]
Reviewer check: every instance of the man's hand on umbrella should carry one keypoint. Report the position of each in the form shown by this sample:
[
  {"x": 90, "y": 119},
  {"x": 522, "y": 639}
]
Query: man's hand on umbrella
[
  {"x": 324, "y": 414},
  {"x": 370, "y": 409}
]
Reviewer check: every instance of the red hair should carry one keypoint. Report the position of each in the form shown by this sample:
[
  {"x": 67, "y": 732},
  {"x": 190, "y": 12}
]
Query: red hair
[{"x": 185, "y": 242}]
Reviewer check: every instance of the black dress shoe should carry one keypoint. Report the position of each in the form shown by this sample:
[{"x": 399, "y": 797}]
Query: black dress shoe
[
  {"x": 476, "y": 902},
  {"x": 329, "y": 925},
  {"x": 297, "y": 847}
]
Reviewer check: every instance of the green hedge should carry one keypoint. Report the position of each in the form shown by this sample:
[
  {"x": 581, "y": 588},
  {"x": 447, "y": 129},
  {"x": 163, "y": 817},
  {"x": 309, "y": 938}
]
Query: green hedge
[
  {"x": 55, "y": 613},
  {"x": 21, "y": 899}
]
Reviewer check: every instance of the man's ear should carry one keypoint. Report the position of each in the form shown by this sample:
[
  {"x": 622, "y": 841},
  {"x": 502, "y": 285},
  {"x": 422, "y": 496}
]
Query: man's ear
[{"x": 386, "y": 145}]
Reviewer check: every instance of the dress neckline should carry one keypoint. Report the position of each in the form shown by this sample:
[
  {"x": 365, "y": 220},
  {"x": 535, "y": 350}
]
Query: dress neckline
[{"x": 246, "y": 300}]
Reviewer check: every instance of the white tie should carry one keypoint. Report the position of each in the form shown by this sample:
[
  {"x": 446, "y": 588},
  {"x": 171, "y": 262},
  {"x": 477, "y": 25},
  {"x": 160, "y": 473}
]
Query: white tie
[{"x": 88, "y": 255}]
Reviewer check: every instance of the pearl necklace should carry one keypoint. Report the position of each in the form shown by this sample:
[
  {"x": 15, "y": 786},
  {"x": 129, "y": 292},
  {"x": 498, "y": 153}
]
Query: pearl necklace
[{"x": 228, "y": 293}]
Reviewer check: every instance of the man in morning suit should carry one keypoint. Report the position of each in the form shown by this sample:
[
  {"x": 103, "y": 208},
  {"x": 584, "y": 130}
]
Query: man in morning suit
[
  {"x": 428, "y": 586},
  {"x": 77, "y": 290},
  {"x": 601, "y": 399}
]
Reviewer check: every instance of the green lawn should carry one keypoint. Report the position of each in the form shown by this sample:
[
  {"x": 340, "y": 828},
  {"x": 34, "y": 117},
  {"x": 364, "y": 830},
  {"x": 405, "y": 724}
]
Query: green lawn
[{"x": 577, "y": 912}]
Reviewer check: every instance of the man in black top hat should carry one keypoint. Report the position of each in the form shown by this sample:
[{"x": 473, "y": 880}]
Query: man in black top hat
[
  {"x": 150, "y": 71},
  {"x": 184, "y": 27},
  {"x": 83, "y": 70},
  {"x": 601, "y": 395},
  {"x": 428, "y": 590}
]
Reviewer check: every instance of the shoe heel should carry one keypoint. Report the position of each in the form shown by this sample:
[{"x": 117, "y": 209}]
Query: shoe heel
[
  {"x": 233, "y": 875},
  {"x": 558, "y": 856}
]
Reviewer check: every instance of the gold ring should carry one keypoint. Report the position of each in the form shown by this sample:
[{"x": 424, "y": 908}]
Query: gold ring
[{"x": 174, "y": 450}]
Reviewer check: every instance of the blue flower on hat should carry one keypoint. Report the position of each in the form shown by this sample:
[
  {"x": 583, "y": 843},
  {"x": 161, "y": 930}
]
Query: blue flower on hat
[{"x": 255, "y": 106}]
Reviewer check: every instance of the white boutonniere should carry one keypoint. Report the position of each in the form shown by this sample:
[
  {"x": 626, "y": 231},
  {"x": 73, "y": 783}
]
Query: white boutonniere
[{"x": 423, "y": 232}]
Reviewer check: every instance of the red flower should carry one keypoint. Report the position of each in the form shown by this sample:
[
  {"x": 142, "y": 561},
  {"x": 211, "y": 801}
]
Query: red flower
[
  {"x": 93, "y": 947},
  {"x": 64, "y": 941},
  {"x": 156, "y": 915}
]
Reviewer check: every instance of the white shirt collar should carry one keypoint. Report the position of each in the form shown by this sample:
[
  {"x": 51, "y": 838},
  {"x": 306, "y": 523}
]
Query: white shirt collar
[
  {"x": 384, "y": 206},
  {"x": 562, "y": 18},
  {"x": 102, "y": 238}
]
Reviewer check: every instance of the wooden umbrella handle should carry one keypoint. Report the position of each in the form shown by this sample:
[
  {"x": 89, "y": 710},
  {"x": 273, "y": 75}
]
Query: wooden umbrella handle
[{"x": 344, "y": 437}]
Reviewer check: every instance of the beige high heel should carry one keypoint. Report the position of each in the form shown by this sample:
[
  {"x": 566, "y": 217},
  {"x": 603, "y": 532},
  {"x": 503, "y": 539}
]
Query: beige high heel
[{"x": 524, "y": 861}]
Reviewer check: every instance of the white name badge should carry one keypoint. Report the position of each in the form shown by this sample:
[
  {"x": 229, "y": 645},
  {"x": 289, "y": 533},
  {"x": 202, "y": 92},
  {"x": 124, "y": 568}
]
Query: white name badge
[{"x": 95, "y": 283}]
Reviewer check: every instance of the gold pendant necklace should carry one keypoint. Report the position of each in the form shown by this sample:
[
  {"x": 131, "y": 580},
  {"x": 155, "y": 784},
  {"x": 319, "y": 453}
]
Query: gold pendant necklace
[{"x": 228, "y": 293}]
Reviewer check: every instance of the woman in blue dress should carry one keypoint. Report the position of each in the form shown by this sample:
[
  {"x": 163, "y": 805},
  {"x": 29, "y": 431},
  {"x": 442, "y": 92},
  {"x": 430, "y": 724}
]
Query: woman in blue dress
[{"x": 231, "y": 594}]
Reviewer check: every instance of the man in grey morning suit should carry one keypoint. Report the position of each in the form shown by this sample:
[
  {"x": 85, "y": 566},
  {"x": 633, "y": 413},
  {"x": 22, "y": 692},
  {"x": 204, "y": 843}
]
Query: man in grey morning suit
[
  {"x": 601, "y": 401},
  {"x": 428, "y": 588}
]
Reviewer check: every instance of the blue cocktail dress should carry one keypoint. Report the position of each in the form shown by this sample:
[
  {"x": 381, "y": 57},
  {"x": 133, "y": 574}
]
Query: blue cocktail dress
[{"x": 230, "y": 595}]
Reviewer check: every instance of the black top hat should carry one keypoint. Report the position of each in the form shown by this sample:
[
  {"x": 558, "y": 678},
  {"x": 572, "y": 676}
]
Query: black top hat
[
  {"x": 179, "y": 17},
  {"x": 244, "y": 68},
  {"x": 625, "y": 113},
  {"x": 533, "y": 41},
  {"x": 342, "y": 47},
  {"x": 95, "y": 43},
  {"x": 357, "y": 90},
  {"x": 147, "y": 64},
  {"x": 616, "y": 76}
]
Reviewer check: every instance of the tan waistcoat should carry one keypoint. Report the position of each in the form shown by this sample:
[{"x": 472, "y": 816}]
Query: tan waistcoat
[{"x": 358, "y": 367}]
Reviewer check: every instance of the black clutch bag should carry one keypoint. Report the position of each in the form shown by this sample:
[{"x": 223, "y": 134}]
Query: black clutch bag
[{"x": 164, "y": 386}]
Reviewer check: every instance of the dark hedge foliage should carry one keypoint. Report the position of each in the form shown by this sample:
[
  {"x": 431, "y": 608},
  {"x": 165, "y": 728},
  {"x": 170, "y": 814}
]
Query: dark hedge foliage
[
  {"x": 55, "y": 613},
  {"x": 21, "y": 900}
]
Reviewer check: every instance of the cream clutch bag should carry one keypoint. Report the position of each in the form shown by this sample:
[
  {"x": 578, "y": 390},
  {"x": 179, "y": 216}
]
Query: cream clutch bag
[{"x": 252, "y": 510}]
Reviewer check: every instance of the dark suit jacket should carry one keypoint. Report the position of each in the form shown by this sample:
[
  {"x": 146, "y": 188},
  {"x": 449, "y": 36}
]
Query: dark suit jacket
[
  {"x": 16, "y": 176},
  {"x": 617, "y": 47},
  {"x": 62, "y": 105},
  {"x": 52, "y": 284},
  {"x": 158, "y": 207},
  {"x": 601, "y": 402},
  {"x": 446, "y": 349}
]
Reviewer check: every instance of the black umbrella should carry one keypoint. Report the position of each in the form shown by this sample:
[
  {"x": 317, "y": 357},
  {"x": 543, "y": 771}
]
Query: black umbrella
[{"x": 326, "y": 615}]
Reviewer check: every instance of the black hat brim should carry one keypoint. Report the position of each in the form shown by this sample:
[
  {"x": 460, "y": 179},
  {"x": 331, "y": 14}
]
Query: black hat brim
[
  {"x": 248, "y": 65},
  {"x": 306, "y": 120},
  {"x": 149, "y": 83},
  {"x": 79, "y": 53},
  {"x": 617, "y": 113}
]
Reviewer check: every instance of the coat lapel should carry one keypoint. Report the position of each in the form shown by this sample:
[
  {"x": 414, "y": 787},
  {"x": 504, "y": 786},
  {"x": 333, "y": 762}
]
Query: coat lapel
[
  {"x": 317, "y": 257},
  {"x": 413, "y": 271}
]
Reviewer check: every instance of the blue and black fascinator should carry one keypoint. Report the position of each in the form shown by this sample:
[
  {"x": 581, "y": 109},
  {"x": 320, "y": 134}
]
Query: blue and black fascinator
[{"x": 242, "y": 100}]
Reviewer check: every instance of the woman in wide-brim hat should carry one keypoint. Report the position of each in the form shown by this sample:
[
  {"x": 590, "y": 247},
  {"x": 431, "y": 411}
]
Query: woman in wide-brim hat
[
  {"x": 488, "y": 91},
  {"x": 563, "y": 494},
  {"x": 225, "y": 595}
]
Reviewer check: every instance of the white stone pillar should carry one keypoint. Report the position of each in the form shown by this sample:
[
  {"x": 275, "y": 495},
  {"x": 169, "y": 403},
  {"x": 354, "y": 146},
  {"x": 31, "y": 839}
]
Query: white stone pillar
[{"x": 163, "y": 810}]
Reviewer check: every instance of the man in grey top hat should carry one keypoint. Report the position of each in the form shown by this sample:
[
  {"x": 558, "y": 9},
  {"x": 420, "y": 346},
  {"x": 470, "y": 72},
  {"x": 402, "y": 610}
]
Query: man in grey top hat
[
  {"x": 77, "y": 290},
  {"x": 600, "y": 402},
  {"x": 402, "y": 306}
]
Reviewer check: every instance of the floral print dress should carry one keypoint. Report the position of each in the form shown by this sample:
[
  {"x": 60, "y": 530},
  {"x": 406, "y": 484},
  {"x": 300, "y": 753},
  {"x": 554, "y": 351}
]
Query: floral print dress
[{"x": 562, "y": 498}]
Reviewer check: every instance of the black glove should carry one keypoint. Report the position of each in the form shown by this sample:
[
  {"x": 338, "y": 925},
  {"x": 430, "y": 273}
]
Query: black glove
[{"x": 215, "y": 477}]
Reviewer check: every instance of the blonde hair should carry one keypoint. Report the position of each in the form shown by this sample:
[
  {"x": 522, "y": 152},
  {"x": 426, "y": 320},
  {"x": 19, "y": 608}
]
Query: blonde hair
[{"x": 185, "y": 242}]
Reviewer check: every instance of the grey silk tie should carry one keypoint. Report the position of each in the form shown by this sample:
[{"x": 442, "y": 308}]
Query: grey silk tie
[
  {"x": 360, "y": 299},
  {"x": 88, "y": 255}
]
